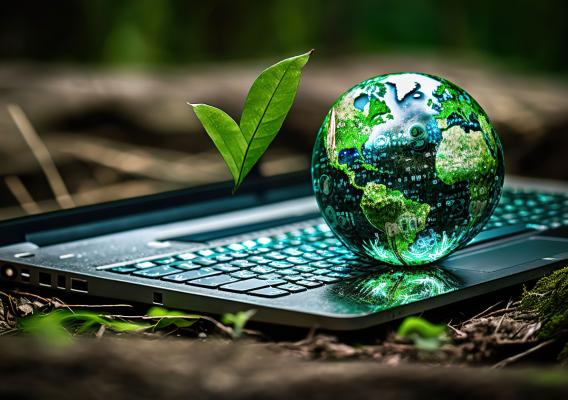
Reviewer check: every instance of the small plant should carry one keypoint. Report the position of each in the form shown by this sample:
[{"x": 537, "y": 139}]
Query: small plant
[
  {"x": 59, "y": 326},
  {"x": 424, "y": 334},
  {"x": 268, "y": 102},
  {"x": 237, "y": 321}
]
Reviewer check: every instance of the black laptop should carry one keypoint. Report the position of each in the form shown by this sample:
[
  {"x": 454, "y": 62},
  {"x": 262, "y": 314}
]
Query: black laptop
[{"x": 267, "y": 248}]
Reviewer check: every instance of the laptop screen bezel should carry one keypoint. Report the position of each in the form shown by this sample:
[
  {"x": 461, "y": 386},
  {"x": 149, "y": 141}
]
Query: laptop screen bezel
[{"x": 257, "y": 190}]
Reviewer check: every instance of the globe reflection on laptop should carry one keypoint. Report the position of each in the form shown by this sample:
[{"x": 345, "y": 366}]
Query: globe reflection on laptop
[{"x": 406, "y": 168}]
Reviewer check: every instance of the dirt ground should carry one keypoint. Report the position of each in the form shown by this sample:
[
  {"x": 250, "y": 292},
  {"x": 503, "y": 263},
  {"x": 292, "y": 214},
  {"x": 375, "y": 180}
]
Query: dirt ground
[{"x": 492, "y": 348}]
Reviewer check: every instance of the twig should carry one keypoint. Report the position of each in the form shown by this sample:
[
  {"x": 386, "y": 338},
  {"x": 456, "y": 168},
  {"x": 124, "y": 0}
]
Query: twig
[
  {"x": 457, "y": 331},
  {"x": 517, "y": 357},
  {"x": 482, "y": 313},
  {"x": 25, "y": 199},
  {"x": 96, "y": 305},
  {"x": 502, "y": 317},
  {"x": 41, "y": 153},
  {"x": 309, "y": 338},
  {"x": 45, "y": 300},
  {"x": 499, "y": 324},
  {"x": 101, "y": 331}
]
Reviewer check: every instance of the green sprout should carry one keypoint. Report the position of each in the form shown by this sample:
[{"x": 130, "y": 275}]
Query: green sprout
[
  {"x": 424, "y": 334},
  {"x": 237, "y": 321},
  {"x": 267, "y": 104}
]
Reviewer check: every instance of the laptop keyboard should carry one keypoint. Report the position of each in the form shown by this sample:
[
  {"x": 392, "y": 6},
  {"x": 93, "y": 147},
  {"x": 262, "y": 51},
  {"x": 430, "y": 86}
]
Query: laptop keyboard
[{"x": 306, "y": 255}]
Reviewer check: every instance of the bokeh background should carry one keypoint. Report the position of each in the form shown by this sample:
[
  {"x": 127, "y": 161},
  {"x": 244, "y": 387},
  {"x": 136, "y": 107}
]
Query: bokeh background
[{"x": 95, "y": 92}]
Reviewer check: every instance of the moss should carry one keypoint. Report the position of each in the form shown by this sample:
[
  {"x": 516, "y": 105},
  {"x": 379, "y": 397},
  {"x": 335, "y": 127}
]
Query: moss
[{"x": 549, "y": 299}]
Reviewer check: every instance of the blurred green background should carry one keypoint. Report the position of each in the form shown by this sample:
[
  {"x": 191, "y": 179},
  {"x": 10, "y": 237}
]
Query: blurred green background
[{"x": 522, "y": 34}]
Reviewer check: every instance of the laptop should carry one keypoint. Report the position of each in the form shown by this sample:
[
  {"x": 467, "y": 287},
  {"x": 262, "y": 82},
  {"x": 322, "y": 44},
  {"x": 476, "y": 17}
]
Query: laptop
[{"x": 267, "y": 248}]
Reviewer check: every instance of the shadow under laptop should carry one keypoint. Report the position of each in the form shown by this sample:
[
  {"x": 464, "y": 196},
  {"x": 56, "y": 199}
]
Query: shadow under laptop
[{"x": 395, "y": 286}]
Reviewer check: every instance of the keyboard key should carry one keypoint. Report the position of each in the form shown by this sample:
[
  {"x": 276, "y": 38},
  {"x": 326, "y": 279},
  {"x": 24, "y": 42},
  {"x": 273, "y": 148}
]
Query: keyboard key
[
  {"x": 206, "y": 262},
  {"x": 293, "y": 278},
  {"x": 320, "y": 264},
  {"x": 185, "y": 265},
  {"x": 297, "y": 260},
  {"x": 313, "y": 257},
  {"x": 262, "y": 269},
  {"x": 213, "y": 281},
  {"x": 275, "y": 256},
  {"x": 223, "y": 258},
  {"x": 328, "y": 279},
  {"x": 270, "y": 276},
  {"x": 321, "y": 271},
  {"x": 259, "y": 260},
  {"x": 288, "y": 271},
  {"x": 326, "y": 253},
  {"x": 339, "y": 250},
  {"x": 193, "y": 274},
  {"x": 269, "y": 292},
  {"x": 186, "y": 256},
  {"x": 341, "y": 268},
  {"x": 337, "y": 261},
  {"x": 250, "y": 284},
  {"x": 226, "y": 267},
  {"x": 165, "y": 260},
  {"x": 206, "y": 253},
  {"x": 306, "y": 248},
  {"x": 145, "y": 264},
  {"x": 292, "y": 252},
  {"x": 156, "y": 272},
  {"x": 243, "y": 263},
  {"x": 280, "y": 264},
  {"x": 309, "y": 284},
  {"x": 243, "y": 274},
  {"x": 292, "y": 288},
  {"x": 304, "y": 268},
  {"x": 239, "y": 255},
  {"x": 125, "y": 269},
  {"x": 340, "y": 275}
]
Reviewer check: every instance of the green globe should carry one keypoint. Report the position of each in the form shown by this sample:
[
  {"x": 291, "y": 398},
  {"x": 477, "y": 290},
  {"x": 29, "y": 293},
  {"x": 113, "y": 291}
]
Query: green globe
[{"x": 406, "y": 168}]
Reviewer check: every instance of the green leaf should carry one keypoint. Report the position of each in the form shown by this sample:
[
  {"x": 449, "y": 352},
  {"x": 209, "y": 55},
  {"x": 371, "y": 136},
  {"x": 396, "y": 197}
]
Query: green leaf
[
  {"x": 268, "y": 102},
  {"x": 168, "y": 318},
  {"x": 238, "y": 320},
  {"x": 226, "y": 135}
]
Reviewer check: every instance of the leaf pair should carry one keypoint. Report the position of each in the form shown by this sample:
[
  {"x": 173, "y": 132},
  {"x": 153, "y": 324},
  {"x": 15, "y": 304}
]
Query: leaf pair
[{"x": 268, "y": 102}]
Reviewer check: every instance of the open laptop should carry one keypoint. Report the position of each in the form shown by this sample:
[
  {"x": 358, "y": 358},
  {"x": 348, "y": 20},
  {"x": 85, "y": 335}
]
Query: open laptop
[{"x": 267, "y": 248}]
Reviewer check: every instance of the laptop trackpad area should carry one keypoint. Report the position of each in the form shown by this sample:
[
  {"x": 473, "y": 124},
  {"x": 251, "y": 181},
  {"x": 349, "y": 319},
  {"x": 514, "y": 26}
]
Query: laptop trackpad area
[{"x": 532, "y": 252}]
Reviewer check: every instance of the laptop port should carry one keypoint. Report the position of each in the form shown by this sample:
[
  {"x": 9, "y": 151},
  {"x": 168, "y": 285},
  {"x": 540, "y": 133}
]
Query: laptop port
[
  {"x": 44, "y": 279},
  {"x": 9, "y": 272},
  {"x": 157, "y": 298},
  {"x": 79, "y": 285},
  {"x": 25, "y": 275},
  {"x": 61, "y": 281}
]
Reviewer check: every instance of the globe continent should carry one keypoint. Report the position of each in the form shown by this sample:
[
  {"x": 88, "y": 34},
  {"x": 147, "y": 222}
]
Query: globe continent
[{"x": 406, "y": 168}]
